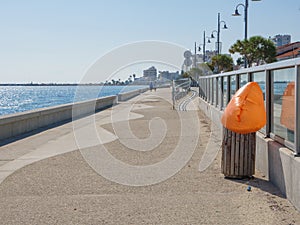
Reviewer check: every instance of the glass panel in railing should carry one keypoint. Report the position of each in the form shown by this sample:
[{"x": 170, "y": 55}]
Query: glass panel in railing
[
  {"x": 211, "y": 90},
  {"x": 283, "y": 102},
  {"x": 232, "y": 85},
  {"x": 243, "y": 79},
  {"x": 208, "y": 90},
  {"x": 260, "y": 78},
  {"x": 205, "y": 89},
  {"x": 224, "y": 92},
  {"x": 215, "y": 90},
  {"x": 219, "y": 92},
  {"x": 200, "y": 88}
]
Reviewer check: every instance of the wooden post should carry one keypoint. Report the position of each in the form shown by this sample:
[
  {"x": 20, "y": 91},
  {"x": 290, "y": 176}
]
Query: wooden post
[{"x": 238, "y": 154}]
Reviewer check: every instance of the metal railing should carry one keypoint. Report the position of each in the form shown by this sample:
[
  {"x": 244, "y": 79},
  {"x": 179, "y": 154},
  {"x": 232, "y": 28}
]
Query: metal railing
[
  {"x": 180, "y": 88},
  {"x": 280, "y": 83}
]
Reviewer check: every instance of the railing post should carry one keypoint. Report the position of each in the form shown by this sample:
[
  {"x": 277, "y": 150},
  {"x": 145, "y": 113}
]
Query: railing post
[
  {"x": 202, "y": 88},
  {"x": 212, "y": 83},
  {"x": 207, "y": 89},
  {"x": 221, "y": 93},
  {"x": 237, "y": 82},
  {"x": 228, "y": 89},
  {"x": 173, "y": 93},
  {"x": 205, "y": 85},
  {"x": 297, "y": 110},
  {"x": 217, "y": 91},
  {"x": 199, "y": 88},
  {"x": 250, "y": 77},
  {"x": 268, "y": 101}
]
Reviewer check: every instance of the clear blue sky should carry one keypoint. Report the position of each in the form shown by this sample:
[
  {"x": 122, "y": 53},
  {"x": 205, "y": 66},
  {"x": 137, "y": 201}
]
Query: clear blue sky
[{"x": 57, "y": 40}]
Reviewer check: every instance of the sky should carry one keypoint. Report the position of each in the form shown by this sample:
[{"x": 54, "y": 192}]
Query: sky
[{"x": 59, "y": 40}]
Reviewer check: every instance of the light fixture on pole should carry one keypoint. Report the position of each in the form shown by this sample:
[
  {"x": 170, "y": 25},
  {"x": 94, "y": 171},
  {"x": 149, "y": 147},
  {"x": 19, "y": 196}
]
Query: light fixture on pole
[
  {"x": 218, "y": 33},
  {"x": 236, "y": 13},
  {"x": 212, "y": 34}
]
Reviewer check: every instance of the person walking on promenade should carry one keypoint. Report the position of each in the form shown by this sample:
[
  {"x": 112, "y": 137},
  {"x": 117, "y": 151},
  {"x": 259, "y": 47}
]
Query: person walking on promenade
[{"x": 151, "y": 86}]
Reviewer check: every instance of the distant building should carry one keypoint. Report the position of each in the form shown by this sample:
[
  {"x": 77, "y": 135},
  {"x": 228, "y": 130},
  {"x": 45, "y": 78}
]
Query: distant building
[
  {"x": 280, "y": 40},
  {"x": 141, "y": 81},
  {"x": 166, "y": 75},
  {"x": 199, "y": 57},
  {"x": 150, "y": 74},
  {"x": 288, "y": 51}
]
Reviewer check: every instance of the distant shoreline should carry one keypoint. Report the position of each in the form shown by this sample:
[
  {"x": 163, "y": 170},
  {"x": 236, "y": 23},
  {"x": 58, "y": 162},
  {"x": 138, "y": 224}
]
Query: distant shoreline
[{"x": 67, "y": 84}]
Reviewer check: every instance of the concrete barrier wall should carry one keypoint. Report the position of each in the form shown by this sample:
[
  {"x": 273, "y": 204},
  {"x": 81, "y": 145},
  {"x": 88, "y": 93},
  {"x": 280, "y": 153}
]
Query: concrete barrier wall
[
  {"x": 273, "y": 160},
  {"x": 128, "y": 95},
  {"x": 24, "y": 122}
]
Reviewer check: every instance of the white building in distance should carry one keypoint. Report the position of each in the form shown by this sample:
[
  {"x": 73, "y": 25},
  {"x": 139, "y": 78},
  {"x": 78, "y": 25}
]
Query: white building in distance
[
  {"x": 150, "y": 74},
  {"x": 166, "y": 75},
  {"x": 280, "y": 40}
]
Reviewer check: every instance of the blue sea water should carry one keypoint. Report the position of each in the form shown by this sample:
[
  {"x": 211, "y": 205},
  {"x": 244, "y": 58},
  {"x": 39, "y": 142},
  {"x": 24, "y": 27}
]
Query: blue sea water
[{"x": 15, "y": 99}]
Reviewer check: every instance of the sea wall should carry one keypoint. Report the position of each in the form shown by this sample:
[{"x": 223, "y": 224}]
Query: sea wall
[
  {"x": 128, "y": 95},
  {"x": 274, "y": 160},
  {"x": 22, "y": 123},
  {"x": 25, "y": 122}
]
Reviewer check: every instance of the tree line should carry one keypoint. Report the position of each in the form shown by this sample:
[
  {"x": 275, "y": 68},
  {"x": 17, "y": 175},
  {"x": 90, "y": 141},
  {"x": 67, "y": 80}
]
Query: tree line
[{"x": 255, "y": 50}]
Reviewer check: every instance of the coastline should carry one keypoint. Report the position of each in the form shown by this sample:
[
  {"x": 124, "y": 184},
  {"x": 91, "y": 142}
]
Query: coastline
[{"x": 67, "y": 84}]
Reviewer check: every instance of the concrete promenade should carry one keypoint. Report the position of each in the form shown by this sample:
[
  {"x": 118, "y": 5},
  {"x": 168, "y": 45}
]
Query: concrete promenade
[{"x": 45, "y": 179}]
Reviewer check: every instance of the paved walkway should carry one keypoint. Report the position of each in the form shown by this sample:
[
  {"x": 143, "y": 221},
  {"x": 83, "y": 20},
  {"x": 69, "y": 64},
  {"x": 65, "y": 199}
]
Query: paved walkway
[{"x": 45, "y": 179}]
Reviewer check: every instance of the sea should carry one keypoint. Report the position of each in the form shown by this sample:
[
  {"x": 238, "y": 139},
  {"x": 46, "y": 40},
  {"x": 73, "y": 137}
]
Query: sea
[{"x": 14, "y": 99}]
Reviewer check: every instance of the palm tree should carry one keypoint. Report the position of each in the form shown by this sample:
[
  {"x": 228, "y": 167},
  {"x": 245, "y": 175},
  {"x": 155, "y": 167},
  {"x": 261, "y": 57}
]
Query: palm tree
[
  {"x": 221, "y": 63},
  {"x": 256, "y": 50}
]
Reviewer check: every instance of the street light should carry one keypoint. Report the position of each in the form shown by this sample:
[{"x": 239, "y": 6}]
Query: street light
[
  {"x": 218, "y": 33},
  {"x": 212, "y": 34},
  {"x": 236, "y": 13},
  {"x": 204, "y": 44}
]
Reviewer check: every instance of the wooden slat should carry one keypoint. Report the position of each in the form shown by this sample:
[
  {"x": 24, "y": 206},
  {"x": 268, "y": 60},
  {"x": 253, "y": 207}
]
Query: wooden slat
[
  {"x": 223, "y": 151},
  {"x": 242, "y": 144},
  {"x": 249, "y": 154},
  {"x": 252, "y": 154},
  {"x": 227, "y": 152},
  {"x": 246, "y": 154},
  {"x": 232, "y": 151},
  {"x": 237, "y": 154}
]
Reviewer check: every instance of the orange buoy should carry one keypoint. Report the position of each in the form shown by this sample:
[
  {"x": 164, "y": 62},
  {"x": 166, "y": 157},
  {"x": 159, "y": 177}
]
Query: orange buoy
[{"x": 245, "y": 113}]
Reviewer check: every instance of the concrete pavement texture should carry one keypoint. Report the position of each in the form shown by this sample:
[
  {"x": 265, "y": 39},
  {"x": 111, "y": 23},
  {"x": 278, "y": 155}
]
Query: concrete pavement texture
[{"x": 47, "y": 179}]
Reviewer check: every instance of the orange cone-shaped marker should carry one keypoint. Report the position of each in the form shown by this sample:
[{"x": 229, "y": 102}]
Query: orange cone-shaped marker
[{"x": 245, "y": 113}]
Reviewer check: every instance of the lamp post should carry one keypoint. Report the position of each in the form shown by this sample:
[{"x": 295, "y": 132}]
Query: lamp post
[
  {"x": 218, "y": 31},
  {"x": 236, "y": 13},
  {"x": 204, "y": 46},
  {"x": 199, "y": 49}
]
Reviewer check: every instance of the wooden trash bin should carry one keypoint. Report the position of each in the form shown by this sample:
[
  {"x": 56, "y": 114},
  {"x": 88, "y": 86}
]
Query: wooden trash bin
[{"x": 238, "y": 154}]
